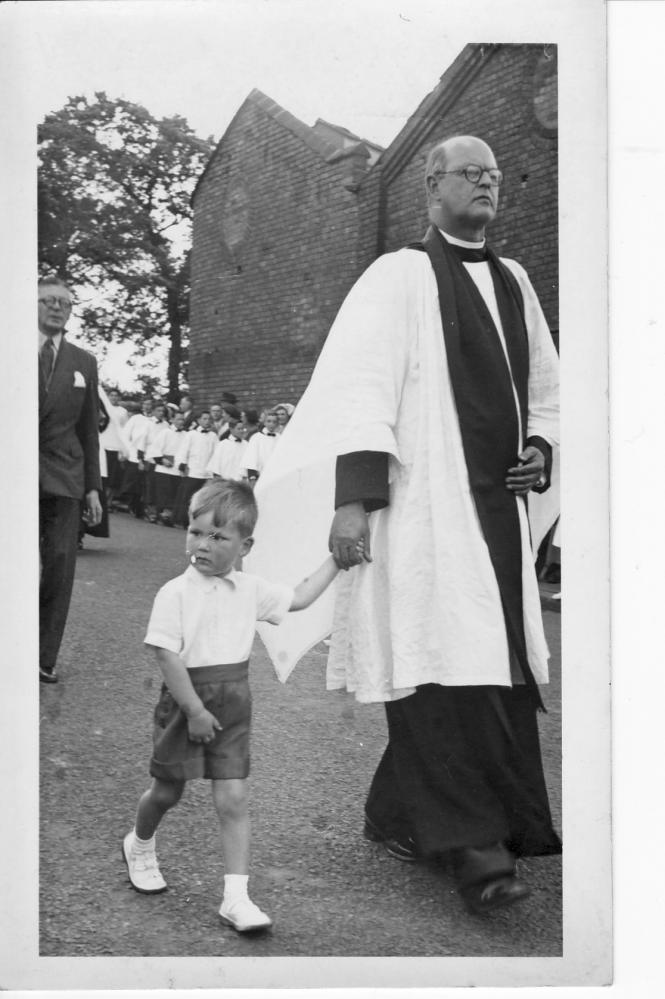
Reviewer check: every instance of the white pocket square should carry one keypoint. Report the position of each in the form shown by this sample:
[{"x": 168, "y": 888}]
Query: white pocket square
[{"x": 79, "y": 380}]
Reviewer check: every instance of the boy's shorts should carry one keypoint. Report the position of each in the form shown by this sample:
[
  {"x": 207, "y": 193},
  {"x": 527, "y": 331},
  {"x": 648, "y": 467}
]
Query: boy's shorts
[{"x": 225, "y": 692}]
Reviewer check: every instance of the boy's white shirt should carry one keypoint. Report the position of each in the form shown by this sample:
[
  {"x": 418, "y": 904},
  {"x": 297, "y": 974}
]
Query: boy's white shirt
[
  {"x": 427, "y": 546},
  {"x": 211, "y": 620}
]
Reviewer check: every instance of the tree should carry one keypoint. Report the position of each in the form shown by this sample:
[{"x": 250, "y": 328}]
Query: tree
[{"x": 114, "y": 218}]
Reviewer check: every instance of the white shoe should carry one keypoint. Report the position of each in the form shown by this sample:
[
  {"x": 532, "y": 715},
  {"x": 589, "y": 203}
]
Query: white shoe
[
  {"x": 142, "y": 868},
  {"x": 244, "y": 916}
]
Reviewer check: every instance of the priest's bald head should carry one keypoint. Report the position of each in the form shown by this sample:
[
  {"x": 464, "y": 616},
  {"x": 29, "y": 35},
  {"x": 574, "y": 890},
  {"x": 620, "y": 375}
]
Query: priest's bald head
[{"x": 462, "y": 182}]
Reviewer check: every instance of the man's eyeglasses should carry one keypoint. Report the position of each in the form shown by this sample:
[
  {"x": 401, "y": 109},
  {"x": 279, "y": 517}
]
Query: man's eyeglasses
[
  {"x": 53, "y": 300},
  {"x": 473, "y": 174}
]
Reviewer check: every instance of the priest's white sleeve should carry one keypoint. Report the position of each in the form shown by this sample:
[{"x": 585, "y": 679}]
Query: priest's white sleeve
[{"x": 351, "y": 404}]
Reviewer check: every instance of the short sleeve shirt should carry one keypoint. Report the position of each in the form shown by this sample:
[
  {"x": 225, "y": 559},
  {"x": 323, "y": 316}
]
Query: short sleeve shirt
[{"x": 211, "y": 620}]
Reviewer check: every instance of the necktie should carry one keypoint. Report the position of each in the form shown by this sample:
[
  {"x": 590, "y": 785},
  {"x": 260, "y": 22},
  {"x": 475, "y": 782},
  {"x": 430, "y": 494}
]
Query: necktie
[
  {"x": 468, "y": 254},
  {"x": 47, "y": 359}
]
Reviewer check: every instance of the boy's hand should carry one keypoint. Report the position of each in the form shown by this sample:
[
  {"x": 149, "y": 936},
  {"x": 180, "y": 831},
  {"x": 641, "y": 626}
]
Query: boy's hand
[{"x": 202, "y": 726}]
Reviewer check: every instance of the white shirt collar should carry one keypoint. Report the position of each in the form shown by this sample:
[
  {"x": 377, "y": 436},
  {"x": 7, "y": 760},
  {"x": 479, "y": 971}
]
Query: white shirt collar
[
  {"x": 56, "y": 340},
  {"x": 208, "y": 583},
  {"x": 461, "y": 242}
]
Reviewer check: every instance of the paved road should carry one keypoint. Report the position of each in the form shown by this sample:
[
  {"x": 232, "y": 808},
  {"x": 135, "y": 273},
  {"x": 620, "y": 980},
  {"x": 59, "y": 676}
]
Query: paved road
[{"x": 329, "y": 891}]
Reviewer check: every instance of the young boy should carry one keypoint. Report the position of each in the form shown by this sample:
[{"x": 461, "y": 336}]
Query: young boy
[
  {"x": 227, "y": 460},
  {"x": 202, "y": 628}
]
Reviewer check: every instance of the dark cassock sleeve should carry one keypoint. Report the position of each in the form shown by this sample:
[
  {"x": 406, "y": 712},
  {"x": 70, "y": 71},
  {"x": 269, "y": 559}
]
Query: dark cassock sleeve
[
  {"x": 362, "y": 476},
  {"x": 546, "y": 450}
]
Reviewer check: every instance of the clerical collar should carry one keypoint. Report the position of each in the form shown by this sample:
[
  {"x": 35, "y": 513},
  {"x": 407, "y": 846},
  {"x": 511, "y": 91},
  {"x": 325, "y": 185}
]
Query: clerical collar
[{"x": 462, "y": 242}]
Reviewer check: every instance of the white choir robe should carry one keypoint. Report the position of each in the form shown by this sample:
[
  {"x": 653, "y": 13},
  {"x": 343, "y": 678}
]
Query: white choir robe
[
  {"x": 165, "y": 441},
  {"x": 259, "y": 448},
  {"x": 196, "y": 452},
  {"x": 135, "y": 432},
  {"x": 427, "y": 609},
  {"x": 114, "y": 437},
  {"x": 228, "y": 459}
]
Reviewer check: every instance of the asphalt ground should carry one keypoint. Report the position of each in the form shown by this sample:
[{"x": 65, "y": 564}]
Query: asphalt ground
[{"x": 329, "y": 891}]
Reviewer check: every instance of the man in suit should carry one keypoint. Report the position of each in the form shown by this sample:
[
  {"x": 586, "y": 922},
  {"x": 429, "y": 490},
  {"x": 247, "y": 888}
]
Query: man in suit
[{"x": 68, "y": 463}]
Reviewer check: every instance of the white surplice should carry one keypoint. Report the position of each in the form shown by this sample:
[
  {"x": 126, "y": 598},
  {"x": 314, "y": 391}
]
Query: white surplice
[{"x": 427, "y": 608}]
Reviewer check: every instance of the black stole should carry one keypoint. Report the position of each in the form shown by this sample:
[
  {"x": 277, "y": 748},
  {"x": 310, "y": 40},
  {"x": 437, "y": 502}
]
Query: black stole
[{"x": 485, "y": 404}]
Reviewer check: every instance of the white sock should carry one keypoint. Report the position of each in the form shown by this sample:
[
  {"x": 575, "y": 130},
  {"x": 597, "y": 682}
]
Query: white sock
[
  {"x": 235, "y": 887},
  {"x": 144, "y": 845}
]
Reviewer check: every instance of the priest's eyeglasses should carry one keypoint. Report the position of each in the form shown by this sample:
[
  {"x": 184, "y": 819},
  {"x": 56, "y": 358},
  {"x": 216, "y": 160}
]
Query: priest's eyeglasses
[
  {"x": 473, "y": 173},
  {"x": 53, "y": 300}
]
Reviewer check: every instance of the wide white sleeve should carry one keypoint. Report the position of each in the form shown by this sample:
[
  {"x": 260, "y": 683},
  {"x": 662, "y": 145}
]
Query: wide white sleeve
[
  {"x": 356, "y": 388},
  {"x": 182, "y": 457},
  {"x": 543, "y": 417},
  {"x": 351, "y": 404},
  {"x": 214, "y": 466},
  {"x": 154, "y": 443},
  {"x": 165, "y": 628},
  {"x": 273, "y": 600},
  {"x": 251, "y": 458}
]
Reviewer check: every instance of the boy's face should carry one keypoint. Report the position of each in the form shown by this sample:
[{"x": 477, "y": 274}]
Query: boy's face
[
  {"x": 178, "y": 421},
  {"x": 238, "y": 430},
  {"x": 204, "y": 421},
  {"x": 214, "y": 550},
  {"x": 270, "y": 422}
]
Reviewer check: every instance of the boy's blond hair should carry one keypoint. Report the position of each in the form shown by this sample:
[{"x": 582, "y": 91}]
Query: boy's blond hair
[{"x": 231, "y": 503}]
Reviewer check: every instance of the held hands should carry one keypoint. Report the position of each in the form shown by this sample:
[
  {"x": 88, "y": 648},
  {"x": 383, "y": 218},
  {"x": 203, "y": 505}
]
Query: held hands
[
  {"x": 528, "y": 473},
  {"x": 201, "y": 727},
  {"x": 349, "y": 539}
]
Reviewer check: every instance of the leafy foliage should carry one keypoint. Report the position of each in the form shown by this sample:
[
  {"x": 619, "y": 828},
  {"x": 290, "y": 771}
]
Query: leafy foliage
[{"x": 114, "y": 188}]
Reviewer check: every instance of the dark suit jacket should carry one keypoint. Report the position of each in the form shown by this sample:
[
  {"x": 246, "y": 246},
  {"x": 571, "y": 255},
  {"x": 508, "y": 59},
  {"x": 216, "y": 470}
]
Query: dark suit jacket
[{"x": 68, "y": 425}]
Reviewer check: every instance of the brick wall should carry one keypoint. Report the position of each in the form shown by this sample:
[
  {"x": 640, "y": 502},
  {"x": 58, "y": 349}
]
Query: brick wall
[
  {"x": 275, "y": 247},
  {"x": 498, "y": 107}
]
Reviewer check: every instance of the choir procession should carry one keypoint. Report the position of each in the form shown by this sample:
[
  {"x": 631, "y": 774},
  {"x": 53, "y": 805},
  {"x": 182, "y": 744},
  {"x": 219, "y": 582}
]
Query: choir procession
[{"x": 155, "y": 458}]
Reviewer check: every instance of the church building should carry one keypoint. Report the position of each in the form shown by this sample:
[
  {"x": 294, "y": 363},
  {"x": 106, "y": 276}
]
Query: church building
[{"x": 287, "y": 215}]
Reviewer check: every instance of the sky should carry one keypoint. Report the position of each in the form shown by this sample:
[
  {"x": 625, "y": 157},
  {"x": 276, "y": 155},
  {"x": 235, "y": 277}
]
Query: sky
[{"x": 364, "y": 65}]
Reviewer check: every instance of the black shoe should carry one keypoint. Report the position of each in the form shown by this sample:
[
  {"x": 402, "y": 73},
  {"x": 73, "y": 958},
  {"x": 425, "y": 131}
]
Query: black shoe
[
  {"x": 47, "y": 675},
  {"x": 398, "y": 849},
  {"x": 495, "y": 894}
]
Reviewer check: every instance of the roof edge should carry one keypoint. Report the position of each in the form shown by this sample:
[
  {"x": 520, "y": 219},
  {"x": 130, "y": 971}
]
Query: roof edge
[
  {"x": 299, "y": 129},
  {"x": 452, "y": 83}
]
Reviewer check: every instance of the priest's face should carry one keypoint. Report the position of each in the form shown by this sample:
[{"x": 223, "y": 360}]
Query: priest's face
[{"x": 459, "y": 206}]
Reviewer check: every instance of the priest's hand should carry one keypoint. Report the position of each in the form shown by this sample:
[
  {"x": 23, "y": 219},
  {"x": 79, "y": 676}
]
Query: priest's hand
[
  {"x": 528, "y": 473},
  {"x": 349, "y": 539}
]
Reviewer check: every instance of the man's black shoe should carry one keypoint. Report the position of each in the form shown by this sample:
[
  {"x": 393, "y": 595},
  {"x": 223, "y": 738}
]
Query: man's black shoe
[
  {"x": 495, "y": 894},
  {"x": 47, "y": 675},
  {"x": 398, "y": 849}
]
